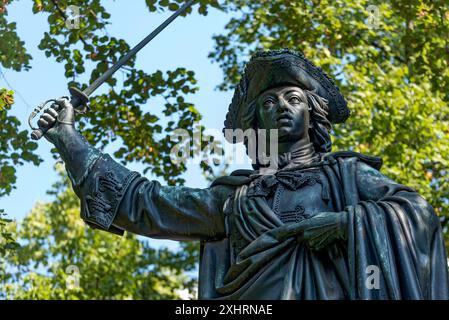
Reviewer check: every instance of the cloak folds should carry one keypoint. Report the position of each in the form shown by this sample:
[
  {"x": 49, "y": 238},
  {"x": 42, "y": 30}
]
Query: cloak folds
[
  {"x": 390, "y": 227},
  {"x": 247, "y": 252}
]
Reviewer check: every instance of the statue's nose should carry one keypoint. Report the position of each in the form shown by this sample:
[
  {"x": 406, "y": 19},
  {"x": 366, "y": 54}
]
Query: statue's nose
[{"x": 282, "y": 106}]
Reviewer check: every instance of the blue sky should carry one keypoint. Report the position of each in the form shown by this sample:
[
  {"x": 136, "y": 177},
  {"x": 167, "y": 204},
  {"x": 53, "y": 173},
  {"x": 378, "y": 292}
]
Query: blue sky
[{"x": 186, "y": 42}]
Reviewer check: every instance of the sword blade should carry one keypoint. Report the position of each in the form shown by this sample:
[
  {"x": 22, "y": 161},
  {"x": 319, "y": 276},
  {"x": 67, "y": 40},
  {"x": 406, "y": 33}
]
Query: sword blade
[
  {"x": 123, "y": 60},
  {"x": 80, "y": 98}
]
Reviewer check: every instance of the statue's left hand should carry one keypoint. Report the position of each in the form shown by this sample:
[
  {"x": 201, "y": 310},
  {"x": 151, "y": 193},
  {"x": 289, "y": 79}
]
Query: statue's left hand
[{"x": 323, "y": 229}]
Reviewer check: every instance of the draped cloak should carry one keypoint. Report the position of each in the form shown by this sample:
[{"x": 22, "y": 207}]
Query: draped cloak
[{"x": 393, "y": 249}]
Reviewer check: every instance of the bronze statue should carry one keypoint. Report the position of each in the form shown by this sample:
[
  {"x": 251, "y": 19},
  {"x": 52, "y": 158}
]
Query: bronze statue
[{"x": 322, "y": 225}]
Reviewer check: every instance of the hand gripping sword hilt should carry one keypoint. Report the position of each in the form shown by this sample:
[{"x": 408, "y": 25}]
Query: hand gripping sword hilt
[{"x": 78, "y": 100}]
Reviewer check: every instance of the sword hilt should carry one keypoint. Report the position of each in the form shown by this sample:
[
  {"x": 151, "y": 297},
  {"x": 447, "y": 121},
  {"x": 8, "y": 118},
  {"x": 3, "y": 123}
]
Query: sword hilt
[{"x": 77, "y": 99}]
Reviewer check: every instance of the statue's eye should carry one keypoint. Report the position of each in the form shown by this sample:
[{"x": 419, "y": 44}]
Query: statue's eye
[
  {"x": 268, "y": 103},
  {"x": 294, "y": 100}
]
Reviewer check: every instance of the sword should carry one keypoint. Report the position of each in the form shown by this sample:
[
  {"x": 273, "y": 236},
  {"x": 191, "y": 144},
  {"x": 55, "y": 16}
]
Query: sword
[{"x": 80, "y": 98}]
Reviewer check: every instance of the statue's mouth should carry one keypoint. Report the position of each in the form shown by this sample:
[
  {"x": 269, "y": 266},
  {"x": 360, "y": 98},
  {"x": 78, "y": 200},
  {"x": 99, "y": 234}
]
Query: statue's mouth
[{"x": 285, "y": 117}]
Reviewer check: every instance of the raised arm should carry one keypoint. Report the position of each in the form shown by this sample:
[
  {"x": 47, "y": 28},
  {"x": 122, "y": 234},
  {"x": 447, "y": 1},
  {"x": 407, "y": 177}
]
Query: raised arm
[
  {"x": 77, "y": 153},
  {"x": 116, "y": 199}
]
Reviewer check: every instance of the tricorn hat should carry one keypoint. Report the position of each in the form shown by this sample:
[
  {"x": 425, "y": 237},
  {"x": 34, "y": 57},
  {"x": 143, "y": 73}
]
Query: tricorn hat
[{"x": 268, "y": 69}]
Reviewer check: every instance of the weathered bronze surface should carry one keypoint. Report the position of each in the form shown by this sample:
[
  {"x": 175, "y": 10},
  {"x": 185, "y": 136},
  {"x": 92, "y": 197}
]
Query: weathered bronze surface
[{"x": 322, "y": 226}]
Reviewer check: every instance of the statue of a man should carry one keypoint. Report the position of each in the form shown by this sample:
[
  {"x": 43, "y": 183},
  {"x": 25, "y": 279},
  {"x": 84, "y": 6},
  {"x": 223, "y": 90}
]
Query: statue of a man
[{"x": 321, "y": 226}]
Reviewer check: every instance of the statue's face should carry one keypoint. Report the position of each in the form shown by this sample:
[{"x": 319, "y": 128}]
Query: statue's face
[{"x": 284, "y": 108}]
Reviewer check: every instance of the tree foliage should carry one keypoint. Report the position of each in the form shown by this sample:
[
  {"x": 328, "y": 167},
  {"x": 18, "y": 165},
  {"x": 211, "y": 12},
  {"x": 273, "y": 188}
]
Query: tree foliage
[
  {"x": 14, "y": 151},
  {"x": 13, "y": 54},
  {"x": 15, "y": 147}
]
